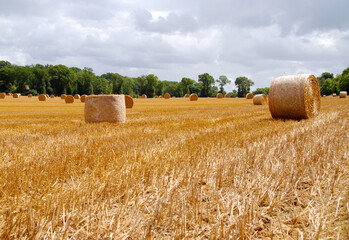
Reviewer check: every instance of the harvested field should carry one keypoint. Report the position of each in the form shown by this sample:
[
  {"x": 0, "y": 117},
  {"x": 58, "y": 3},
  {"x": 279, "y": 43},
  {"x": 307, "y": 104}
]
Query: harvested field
[{"x": 176, "y": 169}]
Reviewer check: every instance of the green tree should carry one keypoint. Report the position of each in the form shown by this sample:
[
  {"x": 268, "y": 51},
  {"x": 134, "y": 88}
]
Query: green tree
[
  {"x": 7, "y": 78},
  {"x": 100, "y": 85},
  {"x": 159, "y": 89},
  {"x": 323, "y": 77},
  {"x": 222, "y": 81},
  {"x": 207, "y": 80},
  {"x": 151, "y": 82},
  {"x": 344, "y": 80},
  {"x": 243, "y": 84},
  {"x": 185, "y": 85},
  {"x": 41, "y": 80},
  {"x": 62, "y": 79},
  {"x": 261, "y": 91},
  {"x": 24, "y": 76}
]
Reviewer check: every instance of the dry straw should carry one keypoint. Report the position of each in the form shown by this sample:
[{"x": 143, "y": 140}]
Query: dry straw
[
  {"x": 342, "y": 94},
  {"x": 334, "y": 95},
  {"x": 186, "y": 95},
  {"x": 128, "y": 101},
  {"x": 83, "y": 98},
  {"x": 167, "y": 96},
  {"x": 144, "y": 96},
  {"x": 105, "y": 108},
  {"x": 260, "y": 99},
  {"x": 249, "y": 95},
  {"x": 69, "y": 99},
  {"x": 42, "y": 97},
  {"x": 193, "y": 97},
  {"x": 30, "y": 95},
  {"x": 16, "y": 95},
  {"x": 219, "y": 95},
  {"x": 227, "y": 95},
  {"x": 77, "y": 96},
  {"x": 2, "y": 95},
  {"x": 63, "y": 96},
  {"x": 294, "y": 96}
]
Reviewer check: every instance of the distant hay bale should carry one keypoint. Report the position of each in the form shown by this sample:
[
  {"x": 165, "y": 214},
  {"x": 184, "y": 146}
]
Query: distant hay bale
[
  {"x": 173, "y": 97},
  {"x": 342, "y": 94},
  {"x": 16, "y": 95},
  {"x": 52, "y": 96},
  {"x": 249, "y": 95},
  {"x": 260, "y": 99},
  {"x": 219, "y": 95},
  {"x": 77, "y": 96},
  {"x": 167, "y": 96},
  {"x": 105, "y": 108},
  {"x": 144, "y": 96},
  {"x": 156, "y": 96},
  {"x": 193, "y": 97},
  {"x": 160, "y": 96},
  {"x": 69, "y": 99},
  {"x": 227, "y": 95},
  {"x": 63, "y": 96},
  {"x": 30, "y": 95},
  {"x": 42, "y": 97},
  {"x": 186, "y": 95},
  {"x": 334, "y": 94},
  {"x": 2, "y": 95},
  {"x": 83, "y": 98},
  {"x": 8, "y": 94},
  {"x": 294, "y": 96},
  {"x": 128, "y": 101}
]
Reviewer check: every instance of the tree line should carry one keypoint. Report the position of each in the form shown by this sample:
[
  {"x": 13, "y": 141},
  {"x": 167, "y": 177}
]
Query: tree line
[{"x": 60, "y": 79}]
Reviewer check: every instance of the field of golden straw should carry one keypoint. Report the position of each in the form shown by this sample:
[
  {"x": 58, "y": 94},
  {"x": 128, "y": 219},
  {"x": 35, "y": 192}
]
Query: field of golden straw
[{"x": 210, "y": 169}]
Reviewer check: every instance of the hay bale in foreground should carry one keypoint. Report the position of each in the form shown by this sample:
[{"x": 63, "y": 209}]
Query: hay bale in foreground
[
  {"x": 294, "y": 96},
  {"x": 30, "y": 95},
  {"x": 63, "y": 96},
  {"x": 16, "y": 95},
  {"x": 227, "y": 95},
  {"x": 2, "y": 95},
  {"x": 343, "y": 94},
  {"x": 186, "y": 95},
  {"x": 128, "y": 101},
  {"x": 77, "y": 96},
  {"x": 260, "y": 99},
  {"x": 193, "y": 97},
  {"x": 144, "y": 96},
  {"x": 219, "y": 95},
  {"x": 249, "y": 95},
  {"x": 42, "y": 97},
  {"x": 83, "y": 98},
  {"x": 69, "y": 99},
  {"x": 167, "y": 96},
  {"x": 334, "y": 95},
  {"x": 105, "y": 108}
]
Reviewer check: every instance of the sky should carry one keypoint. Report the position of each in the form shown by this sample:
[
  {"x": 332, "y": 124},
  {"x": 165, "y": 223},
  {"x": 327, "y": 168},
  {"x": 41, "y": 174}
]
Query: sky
[{"x": 180, "y": 38}]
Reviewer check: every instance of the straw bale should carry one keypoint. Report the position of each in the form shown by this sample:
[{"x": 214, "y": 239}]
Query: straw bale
[
  {"x": 193, "y": 97},
  {"x": 249, "y": 95},
  {"x": 30, "y": 95},
  {"x": 83, "y": 98},
  {"x": 260, "y": 99},
  {"x": 69, "y": 99},
  {"x": 2, "y": 95},
  {"x": 128, "y": 101},
  {"x": 16, "y": 95},
  {"x": 77, "y": 96},
  {"x": 294, "y": 96},
  {"x": 173, "y": 97},
  {"x": 63, "y": 96},
  {"x": 42, "y": 97},
  {"x": 144, "y": 96},
  {"x": 186, "y": 95},
  {"x": 160, "y": 96},
  {"x": 52, "y": 96},
  {"x": 219, "y": 95},
  {"x": 334, "y": 94},
  {"x": 8, "y": 94},
  {"x": 343, "y": 94},
  {"x": 156, "y": 96},
  {"x": 227, "y": 95},
  {"x": 167, "y": 96},
  {"x": 105, "y": 108}
]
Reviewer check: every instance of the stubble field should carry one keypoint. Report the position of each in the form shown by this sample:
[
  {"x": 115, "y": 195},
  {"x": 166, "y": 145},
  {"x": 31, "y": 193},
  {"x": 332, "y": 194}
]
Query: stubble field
[{"x": 211, "y": 169}]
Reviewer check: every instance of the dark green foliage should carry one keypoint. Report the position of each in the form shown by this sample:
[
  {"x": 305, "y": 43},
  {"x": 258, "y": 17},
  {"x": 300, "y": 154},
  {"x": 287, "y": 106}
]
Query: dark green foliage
[
  {"x": 243, "y": 84},
  {"x": 261, "y": 91},
  {"x": 207, "y": 80}
]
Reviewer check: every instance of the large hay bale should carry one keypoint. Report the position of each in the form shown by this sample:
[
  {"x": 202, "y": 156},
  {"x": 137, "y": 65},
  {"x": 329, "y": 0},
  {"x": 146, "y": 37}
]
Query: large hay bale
[
  {"x": 42, "y": 97},
  {"x": 260, "y": 99},
  {"x": 294, "y": 96},
  {"x": 63, "y": 96},
  {"x": 69, "y": 99},
  {"x": 219, "y": 95},
  {"x": 30, "y": 95},
  {"x": 193, "y": 97},
  {"x": 343, "y": 94},
  {"x": 144, "y": 96},
  {"x": 2, "y": 95},
  {"x": 83, "y": 98},
  {"x": 77, "y": 96},
  {"x": 128, "y": 101},
  {"x": 249, "y": 95},
  {"x": 334, "y": 95},
  {"x": 186, "y": 95},
  {"x": 167, "y": 96},
  {"x": 16, "y": 95},
  {"x": 52, "y": 96},
  {"x": 227, "y": 95},
  {"x": 105, "y": 108}
]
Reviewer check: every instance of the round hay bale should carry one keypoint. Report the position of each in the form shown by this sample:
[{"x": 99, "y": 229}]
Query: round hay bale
[
  {"x": 128, "y": 101},
  {"x": 47, "y": 96},
  {"x": 249, "y": 95},
  {"x": 63, "y": 96},
  {"x": 219, "y": 95},
  {"x": 160, "y": 96},
  {"x": 227, "y": 95},
  {"x": 2, "y": 95},
  {"x": 144, "y": 96},
  {"x": 167, "y": 96},
  {"x": 334, "y": 95},
  {"x": 52, "y": 96},
  {"x": 69, "y": 99},
  {"x": 294, "y": 96},
  {"x": 77, "y": 96},
  {"x": 83, "y": 98},
  {"x": 173, "y": 97},
  {"x": 105, "y": 108},
  {"x": 156, "y": 96},
  {"x": 8, "y": 94},
  {"x": 260, "y": 99},
  {"x": 42, "y": 97},
  {"x": 131, "y": 95},
  {"x": 193, "y": 97},
  {"x": 186, "y": 95},
  {"x": 16, "y": 95},
  {"x": 30, "y": 95},
  {"x": 343, "y": 94}
]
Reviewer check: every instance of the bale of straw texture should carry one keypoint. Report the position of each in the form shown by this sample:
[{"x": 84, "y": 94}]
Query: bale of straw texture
[
  {"x": 47, "y": 96},
  {"x": 334, "y": 95},
  {"x": 167, "y": 96},
  {"x": 63, "y": 96},
  {"x": 77, "y": 96},
  {"x": 105, "y": 108},
  {"x": 83, "y": 98},
  {"x": 42, "y": 97},
  {"x": 249, "y": 95},
  {"x": 30, "y": 95},
  {"x": 219, "y": 95},
  {"x": 128, "y": 101},
  {"x": 69, "y": 99},
  {"x": 227, "y": 95},
  {"x": 144, "y": 96},
  {"x": 52, "y": 96},
  {"x": 343, "y": 94},
  {"x": 193, "y": 97},
  {"x": 294, "y": 96},
  {"x": 2, "y": 95},
  {"x": 260, "y": 99},
  {"x": 16, "y": 95},
  {"x": 186, "y": 95}
]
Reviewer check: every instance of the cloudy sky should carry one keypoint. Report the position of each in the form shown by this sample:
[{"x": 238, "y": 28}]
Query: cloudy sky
[{"x": 260, "y": 39}]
